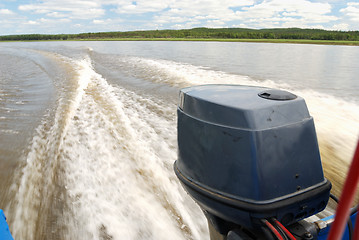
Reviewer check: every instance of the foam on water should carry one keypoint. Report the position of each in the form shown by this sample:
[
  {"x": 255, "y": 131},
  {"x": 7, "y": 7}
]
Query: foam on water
[
  {"x": 122, "y": 181},
  {"x": 100, "y": 165},
  {"x": 337, "y": 126},
  {"x": 179, "y": 74},
  {"x": 113, "y": 152}
]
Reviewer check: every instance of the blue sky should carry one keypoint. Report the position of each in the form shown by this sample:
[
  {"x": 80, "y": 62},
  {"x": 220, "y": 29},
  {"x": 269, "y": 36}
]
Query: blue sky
[{"x": 76, "y": 16}]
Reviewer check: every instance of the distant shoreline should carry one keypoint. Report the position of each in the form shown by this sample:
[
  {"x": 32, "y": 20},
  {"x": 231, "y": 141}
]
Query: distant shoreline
[
  {"x": 294, "y": 41},
  {"x": 275, "y": 35},
  {"x": 288, "y": 41}
]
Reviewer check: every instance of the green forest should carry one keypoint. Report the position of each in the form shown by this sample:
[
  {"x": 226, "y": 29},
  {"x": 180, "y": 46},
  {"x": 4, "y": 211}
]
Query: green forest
[{"x": 198, "y": 33}]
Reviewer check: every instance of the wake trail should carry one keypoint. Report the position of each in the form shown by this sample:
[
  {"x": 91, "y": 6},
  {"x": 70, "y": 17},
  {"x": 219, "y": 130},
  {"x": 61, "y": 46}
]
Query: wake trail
[{"x": 108, "y": 158}]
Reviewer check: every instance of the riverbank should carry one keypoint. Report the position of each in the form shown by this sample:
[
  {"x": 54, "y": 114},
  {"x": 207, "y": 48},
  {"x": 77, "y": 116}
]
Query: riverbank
[
  {"x": 294, "y": 41},
  {"x": 277, "y": 35},
  {"x": 288, "y": 41}
]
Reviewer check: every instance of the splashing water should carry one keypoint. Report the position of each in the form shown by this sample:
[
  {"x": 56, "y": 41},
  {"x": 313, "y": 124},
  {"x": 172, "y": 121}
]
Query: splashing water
[
  {"x": 100, "y": 163},
  {"x": 109, "y": 155}
]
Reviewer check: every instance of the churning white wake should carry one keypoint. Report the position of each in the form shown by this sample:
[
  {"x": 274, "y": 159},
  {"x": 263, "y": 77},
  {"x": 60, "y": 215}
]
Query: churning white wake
[
  {"x": 120, "y": 177},
  {"x": 111, "y": 151},
  {"x": 105, "y": 159}
]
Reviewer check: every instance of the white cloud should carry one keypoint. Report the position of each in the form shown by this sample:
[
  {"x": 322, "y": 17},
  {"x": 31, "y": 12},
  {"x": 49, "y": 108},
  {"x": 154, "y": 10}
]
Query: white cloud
[
  {"x": 47, "y": 21},
  {"x": 75, "y": 9},
  {"x": 122, "y": 15},
  {"x": 264, "y": 14},
  {"x": 6, "y": 11},
  {"x": 208, "y": 7},
  {"x": 96, "y": 21},
  {"x": 287, "y": 13},
  {"x": 352, "y": 11},
  {"x": 215, "y": 24},
  {"x": 32, "y": 22},
  {"x": 186, "y": 25},
  {"x": 142, "y": 6},
  {"x": 341, "y": 27},
  {"x": 208, "y": 13},
  {"x": 188, "y": 8},
  {"x": 108, "y": 21},
  {"x": 56, "y": 15}
]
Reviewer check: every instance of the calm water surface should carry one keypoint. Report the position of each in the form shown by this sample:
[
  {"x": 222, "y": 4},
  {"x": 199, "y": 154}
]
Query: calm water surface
[{"x": 88, "y": 129}]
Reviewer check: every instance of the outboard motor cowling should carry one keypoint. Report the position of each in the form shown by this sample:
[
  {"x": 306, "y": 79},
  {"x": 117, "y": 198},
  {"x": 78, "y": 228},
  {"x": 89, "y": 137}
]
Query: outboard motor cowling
[{"x": 248, "y": 153}]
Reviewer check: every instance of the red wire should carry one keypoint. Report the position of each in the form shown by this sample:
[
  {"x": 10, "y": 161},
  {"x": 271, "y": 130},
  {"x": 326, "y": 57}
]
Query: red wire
[
  {"x": 284, "y": 229},
  {"x": 356, "y": 229},
  {"x": 346, "y": 200},
  {"x": 275, "y": 231}
]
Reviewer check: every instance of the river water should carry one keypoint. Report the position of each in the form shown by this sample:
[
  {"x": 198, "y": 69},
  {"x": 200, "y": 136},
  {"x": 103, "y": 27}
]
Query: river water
[{"x": 88, "y": 129}]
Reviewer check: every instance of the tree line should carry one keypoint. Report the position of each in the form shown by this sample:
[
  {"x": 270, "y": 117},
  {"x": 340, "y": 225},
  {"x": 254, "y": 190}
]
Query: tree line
[
  {"x": 199, "y": 33},
  {"x": 34, "y": 37}
]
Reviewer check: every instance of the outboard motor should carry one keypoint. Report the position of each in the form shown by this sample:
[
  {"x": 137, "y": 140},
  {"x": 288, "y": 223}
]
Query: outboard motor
[{"x": 246, "y": 154}]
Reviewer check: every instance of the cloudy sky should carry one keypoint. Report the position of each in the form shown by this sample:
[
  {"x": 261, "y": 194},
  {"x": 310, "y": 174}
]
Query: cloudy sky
[{"x": 75, "y": 16}]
